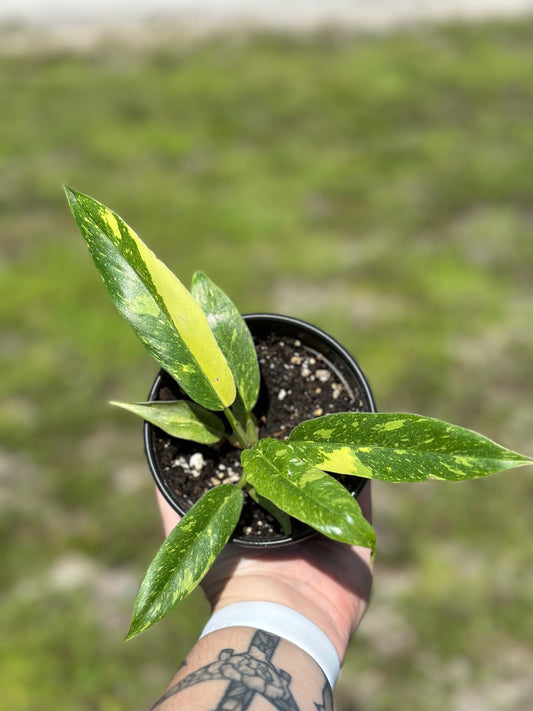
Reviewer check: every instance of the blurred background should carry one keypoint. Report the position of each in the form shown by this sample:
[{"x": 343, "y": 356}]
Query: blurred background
[{"x": 366, "y": 168}]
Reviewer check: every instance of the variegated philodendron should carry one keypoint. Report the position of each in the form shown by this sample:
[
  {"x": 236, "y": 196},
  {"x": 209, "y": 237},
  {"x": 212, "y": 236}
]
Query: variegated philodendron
[{"x": 201, "y": 340}]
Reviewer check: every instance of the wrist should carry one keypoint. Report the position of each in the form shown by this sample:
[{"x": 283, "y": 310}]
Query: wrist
[
  {"x": 283, "y": 623},
  {"x": 265, "y": 589},
  {"x": 336, "y": 610}
]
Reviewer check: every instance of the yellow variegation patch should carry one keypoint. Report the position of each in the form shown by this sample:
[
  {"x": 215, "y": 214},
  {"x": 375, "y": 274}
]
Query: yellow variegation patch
[
  {"x": 192, "y": 325},
  {"x": 340, "y": 460},
  {"x": 392, "y": 425}
]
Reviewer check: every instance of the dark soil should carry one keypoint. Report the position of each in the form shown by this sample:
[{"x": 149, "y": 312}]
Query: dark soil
[{"x": 297, "y": 384}]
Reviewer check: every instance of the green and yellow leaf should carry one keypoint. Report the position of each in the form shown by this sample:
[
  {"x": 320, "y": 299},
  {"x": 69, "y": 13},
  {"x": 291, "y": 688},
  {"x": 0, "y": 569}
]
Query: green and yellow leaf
[
  {"x": 179, "y": 418},
  {"x": 189, "y": 551},
  {"x": 232, "y": 335},
  {"x": 399, "y": 447},
  {"x": 306, "y": 493},
  {"x": 158, "y": 307}
]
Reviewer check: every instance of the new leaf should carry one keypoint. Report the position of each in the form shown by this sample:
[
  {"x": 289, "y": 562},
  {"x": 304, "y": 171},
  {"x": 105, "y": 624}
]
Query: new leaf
[{"x": 232, "y": 335}]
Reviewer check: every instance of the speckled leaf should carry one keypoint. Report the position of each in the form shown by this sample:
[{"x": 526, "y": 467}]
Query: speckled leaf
[
  {"x": 232, "y": 336},
  {"x": 399, "y": 447},
  {"x": 161, "y": 311},
  {"x": 179, "y": 418},
  {"x": 189, "y": 551},
  {"x": 306, "y": 493}
]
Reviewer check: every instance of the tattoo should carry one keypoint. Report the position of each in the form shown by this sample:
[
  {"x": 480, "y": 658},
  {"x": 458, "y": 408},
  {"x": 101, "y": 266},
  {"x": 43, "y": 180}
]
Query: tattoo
[
  {"x": 327, "y": 699},
  {"x": 248, "y": 673}
]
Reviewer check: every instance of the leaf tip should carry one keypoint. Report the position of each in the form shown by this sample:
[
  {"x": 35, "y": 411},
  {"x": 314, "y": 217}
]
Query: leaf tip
[
  {"x": 138, "y": 624},
  {"x": 70, "y": 193},
  {"x": 197, "y": 276},
  {"x": 122, "y": 405},
  {"x": 132, "y": 632}
]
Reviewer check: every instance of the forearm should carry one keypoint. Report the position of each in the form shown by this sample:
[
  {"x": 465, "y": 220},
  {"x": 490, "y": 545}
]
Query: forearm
[{"x": 240, "y": 667}]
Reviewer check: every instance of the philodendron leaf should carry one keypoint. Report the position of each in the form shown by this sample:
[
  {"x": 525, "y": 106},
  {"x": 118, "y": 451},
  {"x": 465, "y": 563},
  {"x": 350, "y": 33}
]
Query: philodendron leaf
[
  {"x": 179, "y": 418},
  {"x": 161, "y": 311},
  {"x": 306, "y": 493},
  {"x": 232, "y": 335},
  {"x": 186, "y": 555},
  {"x": 399, "y": 447}
]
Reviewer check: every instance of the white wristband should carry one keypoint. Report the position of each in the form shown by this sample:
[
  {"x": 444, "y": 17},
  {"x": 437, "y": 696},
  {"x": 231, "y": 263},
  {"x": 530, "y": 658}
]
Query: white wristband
[{"x": 284, "y": 622}]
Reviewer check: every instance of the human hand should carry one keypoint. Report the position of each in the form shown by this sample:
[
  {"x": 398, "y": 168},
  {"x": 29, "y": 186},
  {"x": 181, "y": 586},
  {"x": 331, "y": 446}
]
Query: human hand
[{"x": 327, "y": 581}]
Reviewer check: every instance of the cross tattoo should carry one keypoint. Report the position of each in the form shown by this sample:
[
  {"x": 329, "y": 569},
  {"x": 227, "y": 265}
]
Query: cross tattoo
[{"x": 248, "y": 673}]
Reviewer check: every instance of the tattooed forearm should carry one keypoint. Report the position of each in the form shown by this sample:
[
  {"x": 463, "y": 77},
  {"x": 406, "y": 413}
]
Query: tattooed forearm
[
  {"x": 249, "y": 675},
  {"x": 327, "y": 699}
]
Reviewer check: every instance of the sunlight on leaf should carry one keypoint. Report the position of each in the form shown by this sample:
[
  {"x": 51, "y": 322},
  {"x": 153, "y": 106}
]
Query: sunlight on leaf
[
  {"x": 399, "y": 447},
  {"x": 161, "y": 311},
  {"x": 179, "y": 418}
]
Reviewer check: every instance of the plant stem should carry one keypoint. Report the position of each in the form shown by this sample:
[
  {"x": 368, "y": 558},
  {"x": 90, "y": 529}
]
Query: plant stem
[
  {"x": 238, "y": 430},
  {"x": 251, "y": 428}
]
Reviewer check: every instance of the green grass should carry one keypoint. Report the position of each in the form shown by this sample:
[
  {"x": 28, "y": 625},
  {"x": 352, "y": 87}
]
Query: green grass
[{"x": 377, "y": 186}]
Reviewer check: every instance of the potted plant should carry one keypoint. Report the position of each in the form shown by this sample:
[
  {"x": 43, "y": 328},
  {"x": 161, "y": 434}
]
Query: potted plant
[
  {"x": 304, "y": 373},
  {"x": 209, "y": 393}
]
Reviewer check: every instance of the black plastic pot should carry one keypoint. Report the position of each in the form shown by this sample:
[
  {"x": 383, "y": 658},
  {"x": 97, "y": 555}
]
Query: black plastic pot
[{"x": 332, "y": 354}]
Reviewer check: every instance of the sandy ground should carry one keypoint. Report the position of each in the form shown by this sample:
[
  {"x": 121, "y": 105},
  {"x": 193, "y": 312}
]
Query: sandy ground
[
  {"x": 280, "y": 14},
  {"x": 35, "y": 25}
]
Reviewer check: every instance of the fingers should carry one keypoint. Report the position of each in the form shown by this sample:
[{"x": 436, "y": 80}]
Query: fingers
[
  {"x": 365, "y": 501},
  {"x": 169, "y": 517}
]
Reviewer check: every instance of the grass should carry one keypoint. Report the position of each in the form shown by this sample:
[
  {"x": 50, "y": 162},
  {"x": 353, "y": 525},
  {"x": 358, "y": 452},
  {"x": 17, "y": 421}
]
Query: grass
[{"x": 377, "y": 186}]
